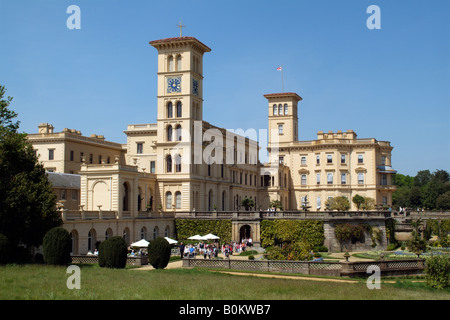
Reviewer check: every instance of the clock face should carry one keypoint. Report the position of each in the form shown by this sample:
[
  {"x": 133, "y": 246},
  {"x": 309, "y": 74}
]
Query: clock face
[
  {"x": 195, "y": 86},
  {"x": 174, "y": 85}
]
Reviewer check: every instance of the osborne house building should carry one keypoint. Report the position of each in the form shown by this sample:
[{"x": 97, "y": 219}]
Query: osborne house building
[{"x": 182, "y": 165}]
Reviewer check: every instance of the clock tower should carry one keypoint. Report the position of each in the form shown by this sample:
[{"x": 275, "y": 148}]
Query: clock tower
[{"x": 180, "y": 84}]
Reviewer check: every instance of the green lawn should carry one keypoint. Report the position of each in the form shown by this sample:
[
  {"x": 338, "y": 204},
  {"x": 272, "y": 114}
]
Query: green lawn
[{"x": 49, "y": 282}]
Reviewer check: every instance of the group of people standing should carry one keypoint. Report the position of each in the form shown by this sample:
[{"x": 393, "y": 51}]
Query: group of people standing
[
  {"x": 211, "y": 250},
  {"x": 203, "y": 249}
]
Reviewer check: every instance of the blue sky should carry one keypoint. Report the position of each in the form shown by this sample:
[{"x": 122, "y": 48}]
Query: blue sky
[{"x": 390, "y": 84}]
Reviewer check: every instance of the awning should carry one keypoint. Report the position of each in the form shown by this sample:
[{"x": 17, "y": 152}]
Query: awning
[{"x": 386, "y": 169}]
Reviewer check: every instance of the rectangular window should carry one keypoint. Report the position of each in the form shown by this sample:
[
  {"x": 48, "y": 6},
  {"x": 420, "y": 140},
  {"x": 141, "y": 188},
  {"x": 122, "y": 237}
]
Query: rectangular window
[
  {"x": 383, "y": 179},
  {"x": 360, "y": 158},
  {"x": 329, "y": 158},
  {"x": 74, "y": 194},
  {"x": 280, "y": 160},
  {"x": 360, "y": 178},
  {"x": 343, "y": 160},
  {"x": 280, "y": 129},
  {"x": 383, "y": 160},
  {"x": 329, "y": 178},
  {"x": 343, "y": 178},
  {"x": 71, "y": 155},
  {"x": 318, "y": 202},
  {"x": 317, "y": 159},
  {"x": 99, "y": 159},
  {"x": 152, "y": 167},
  {"x": 318, "y": 178},
  {"x": 63, "y": 194},
  {"x": 51, "y": 154},
  {"x": 140, "y": 148},
  {"x": 303, "y": 179},
  {"x": 384, "y": 200},
  {"x": 91, "y": 158},
  {"x": 303, "y": 160},
  {"x": 81, "y": 156}
]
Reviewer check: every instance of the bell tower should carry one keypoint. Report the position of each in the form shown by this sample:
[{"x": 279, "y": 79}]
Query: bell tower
[
  {"x": 180, "y": 100},
  {"x": 283, "y": 117}
]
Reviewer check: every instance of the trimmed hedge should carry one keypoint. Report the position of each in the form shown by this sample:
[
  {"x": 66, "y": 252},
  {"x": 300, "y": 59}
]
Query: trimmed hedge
[
  {"x": 289, "y": 231},
  {"x": 112, "y": 253},
  {"x": 159, "y": 253},
  {"x": 57, "y": 245},
  {"x": 186, "y": 228}
]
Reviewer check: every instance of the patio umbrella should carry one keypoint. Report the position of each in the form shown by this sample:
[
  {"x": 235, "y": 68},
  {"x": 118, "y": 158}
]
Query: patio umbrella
[
  {"x": 141, "y": 244},
  {"x": 211, "y": 236},
  {"x": 197, "y": 237},
  {"x": 170, "y": 241}
]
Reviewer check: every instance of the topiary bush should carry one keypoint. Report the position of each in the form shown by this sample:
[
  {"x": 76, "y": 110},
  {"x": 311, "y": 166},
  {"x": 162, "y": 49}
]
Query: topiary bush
[
  {"x": 437, "y": 269},
  {"x": 112, "y": 253},
  {"x": 4, "y": 249},
  {"x": 159, "y": 253},
  {"x": 57, "y": 245}
]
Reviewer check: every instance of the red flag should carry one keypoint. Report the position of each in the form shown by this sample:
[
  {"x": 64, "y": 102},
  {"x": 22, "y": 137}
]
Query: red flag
[{"x": 279, "y": 69}]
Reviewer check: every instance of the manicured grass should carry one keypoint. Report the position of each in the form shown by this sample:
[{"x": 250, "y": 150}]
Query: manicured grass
[{"x": 49, "y": 282}]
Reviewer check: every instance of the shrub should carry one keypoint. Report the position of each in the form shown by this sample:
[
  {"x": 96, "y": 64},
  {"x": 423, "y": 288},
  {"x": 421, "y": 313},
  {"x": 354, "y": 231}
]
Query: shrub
[
  {"x": 437, "y": 271},
  {"x": 57, "y": 246},
  {"x": 112, "y": 253},
  {"x": 4, "y": 249},
  {"x": 159, "y": 253},
  {"x": 320, "y": 249},
  {"x": 391, "y": 247},
  {"x": 251, "y": 257}
]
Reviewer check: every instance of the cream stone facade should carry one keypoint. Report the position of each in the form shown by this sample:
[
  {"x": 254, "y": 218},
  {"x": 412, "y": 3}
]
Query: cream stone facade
[{"x": 184, "y": 164}]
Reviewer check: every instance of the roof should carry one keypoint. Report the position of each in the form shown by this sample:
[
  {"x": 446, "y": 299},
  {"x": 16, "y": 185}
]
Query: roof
[
  {"x": 156, "y": 43},
  {"x": 64, "y": 180},
  {"x": 283, "y": 95}
]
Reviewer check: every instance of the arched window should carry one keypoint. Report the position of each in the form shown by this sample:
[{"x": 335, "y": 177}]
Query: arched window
[
  {"x": 285, "y": 109},
  {"x": 167, "y": 231},
  {"x": 178, "y": 163},
  {"x": 179, "y": 135},
  {"x": 126, "y": 235},
  {"x": 155, "y": 232},
  {"x": 179, "y": 109},
  {"x": 108, "y": 233},
  {"x": 92, "y": 239},
  {"x": 143, "y": 233},
  {"x": 178, "y": 200},
  {"x": 224, "y": 194},
  {"x": 169, "y": 163},
  {"x": 178, "y": 62},
  {"x": 210, "y": 200},
  {"x": 170, "y": 63},
  {"x": 126, "y": 196},
  {"x": 169, "y": 133},
  {"x": 275, "y": 110},
  {"x": 169, "y": 110},
  {"x": 169, "y": 200},
  {"x": 280, "y": 110}
]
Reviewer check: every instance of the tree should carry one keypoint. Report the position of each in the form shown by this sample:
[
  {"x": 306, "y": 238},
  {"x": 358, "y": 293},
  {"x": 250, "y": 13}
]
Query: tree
[
  {"x": 159, "y": 253},
  {"x": 248, "y": 203},
  {"x": 358, "y": 200},
  {"x": 27, "y": 203},
  {"x": 443, "y": 201},
  {"x": 112, "y": 253},
  {"x": 422, "y": 178},
  {"x": 57, "y": 245},
  {"x": 415, "y": 197},
  {"x": 276, "y": 204},
  {"x": 338, "y": 203},
  {"x": 368, "y": 204}
]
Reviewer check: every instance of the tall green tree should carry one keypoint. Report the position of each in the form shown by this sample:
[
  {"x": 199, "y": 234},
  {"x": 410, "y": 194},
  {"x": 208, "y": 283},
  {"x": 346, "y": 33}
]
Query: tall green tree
[{"x": 27, "y": 203}]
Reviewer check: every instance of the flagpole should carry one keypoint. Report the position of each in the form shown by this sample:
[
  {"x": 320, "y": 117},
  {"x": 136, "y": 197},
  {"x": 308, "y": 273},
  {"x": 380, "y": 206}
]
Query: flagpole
[{"x": 282, "y": 79}]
